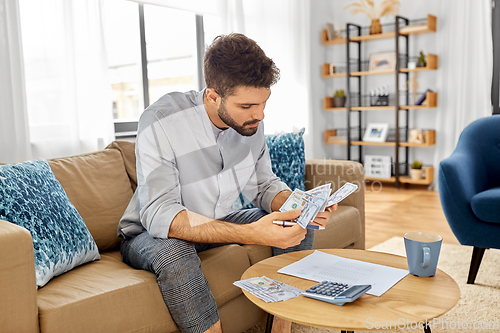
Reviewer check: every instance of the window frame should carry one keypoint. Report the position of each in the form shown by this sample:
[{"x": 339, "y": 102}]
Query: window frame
[{"x": 128, "y": 129}]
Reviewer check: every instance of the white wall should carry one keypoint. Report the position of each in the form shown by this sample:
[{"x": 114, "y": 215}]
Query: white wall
[{"x": 323, "y": 11}]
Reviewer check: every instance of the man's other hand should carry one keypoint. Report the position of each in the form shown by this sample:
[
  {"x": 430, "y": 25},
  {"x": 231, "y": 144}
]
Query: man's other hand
[{"x": 322, "y": 218}]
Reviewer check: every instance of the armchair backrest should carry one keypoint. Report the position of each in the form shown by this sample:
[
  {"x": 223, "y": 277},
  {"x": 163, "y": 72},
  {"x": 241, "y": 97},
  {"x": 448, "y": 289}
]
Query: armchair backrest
[{"x": 481, "y": 141}]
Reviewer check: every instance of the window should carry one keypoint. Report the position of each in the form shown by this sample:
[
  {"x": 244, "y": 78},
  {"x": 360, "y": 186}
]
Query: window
[
  {"x": 171, "y": 49},
  {"x": 124, "y": 58}
]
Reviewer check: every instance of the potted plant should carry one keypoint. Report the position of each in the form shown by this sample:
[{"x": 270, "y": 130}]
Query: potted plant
[
  {"x": 421, "y": 60},
  {"x": 339, "y": 98},
  {"x": 387, "y": 7},
  {"x": 416, "y": 170}
]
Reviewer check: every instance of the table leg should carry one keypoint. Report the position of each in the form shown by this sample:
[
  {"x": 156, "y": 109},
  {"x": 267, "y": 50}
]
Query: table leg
[
  {"x": 346, "y": 331},
  {"x": 269, "y": 324},
  {"x": 427, "y": 328}
]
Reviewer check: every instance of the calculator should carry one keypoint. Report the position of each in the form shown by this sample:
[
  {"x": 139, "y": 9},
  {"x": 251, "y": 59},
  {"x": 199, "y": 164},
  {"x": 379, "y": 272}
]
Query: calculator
[{"x": 335, "y": 292}]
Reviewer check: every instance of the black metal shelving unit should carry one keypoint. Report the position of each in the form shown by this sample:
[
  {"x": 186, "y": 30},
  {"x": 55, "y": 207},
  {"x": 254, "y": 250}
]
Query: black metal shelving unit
[{"x": 354, "y": 60}]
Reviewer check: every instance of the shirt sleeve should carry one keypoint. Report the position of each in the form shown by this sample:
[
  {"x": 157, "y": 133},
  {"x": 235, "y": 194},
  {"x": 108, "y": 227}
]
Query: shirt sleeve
[
  {"x": 264, "y": 185},
  {"x": 158, "y": 185}
]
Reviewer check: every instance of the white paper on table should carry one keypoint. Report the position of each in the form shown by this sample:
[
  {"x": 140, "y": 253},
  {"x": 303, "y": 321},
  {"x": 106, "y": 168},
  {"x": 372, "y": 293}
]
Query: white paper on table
[{"x": 320, "y": 266}]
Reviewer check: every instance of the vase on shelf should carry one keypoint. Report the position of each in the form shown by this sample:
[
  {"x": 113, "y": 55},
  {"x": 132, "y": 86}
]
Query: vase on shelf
[
  {"x": 375, "y": 28},
  {"x": 339, "y": 102},
  {"x": 416, "y": 174}
]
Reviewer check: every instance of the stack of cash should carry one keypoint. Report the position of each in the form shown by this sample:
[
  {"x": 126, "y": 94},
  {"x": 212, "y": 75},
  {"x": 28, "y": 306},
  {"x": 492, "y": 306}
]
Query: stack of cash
[
  {"x": 267, "y": 289},
  {"x": 314, "y": 201}
]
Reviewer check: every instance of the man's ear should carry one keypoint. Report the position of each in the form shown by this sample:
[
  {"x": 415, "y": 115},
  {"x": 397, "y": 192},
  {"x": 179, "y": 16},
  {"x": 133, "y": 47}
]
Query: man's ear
[{"x": 212, "y": 96}]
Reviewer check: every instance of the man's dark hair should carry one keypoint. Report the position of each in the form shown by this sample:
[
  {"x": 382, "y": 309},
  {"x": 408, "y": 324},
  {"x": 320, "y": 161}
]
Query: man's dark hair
[{"x": 236, "y": 60}]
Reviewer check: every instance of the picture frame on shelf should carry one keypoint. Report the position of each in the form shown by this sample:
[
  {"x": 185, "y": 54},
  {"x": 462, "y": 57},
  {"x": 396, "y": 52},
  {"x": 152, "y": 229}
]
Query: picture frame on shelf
[
  {"x": 376, "y": 133},
  {"x": 378, "y": 166},
  {"x": 382, "y": 61}
]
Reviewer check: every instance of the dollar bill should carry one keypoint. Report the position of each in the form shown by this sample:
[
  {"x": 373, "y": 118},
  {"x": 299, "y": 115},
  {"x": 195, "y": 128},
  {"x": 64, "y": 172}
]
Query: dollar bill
[
  {"x": 297, "y": 200},
  {"x": 322, "y": 191},
  {"x": 341, "y": 193},
  {"x": 310, "y": 211},
  {"x": 267, "y": 289}
]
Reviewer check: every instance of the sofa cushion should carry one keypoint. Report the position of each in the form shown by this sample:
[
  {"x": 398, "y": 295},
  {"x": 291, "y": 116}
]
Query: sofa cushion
[
  {"x": 343, "y": 229},
  {"x": 222, "y": 266},
  {"x": 104, "y": 296},
  {"x": 99, "y": 187},
  {"x": 31, "y": 197},
  {"x": 127, "y": 149},
  {"x": 110, "y": 296},
  {"x": 486, "y": 205}
]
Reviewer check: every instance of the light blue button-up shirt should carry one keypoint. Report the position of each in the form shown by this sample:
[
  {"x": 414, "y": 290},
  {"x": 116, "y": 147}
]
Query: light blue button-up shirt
[{"x": 184, "y": 162}]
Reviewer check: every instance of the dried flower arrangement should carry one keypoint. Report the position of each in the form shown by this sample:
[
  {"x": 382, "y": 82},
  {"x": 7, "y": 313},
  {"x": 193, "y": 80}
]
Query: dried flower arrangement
[{"x": 367, "y": 7}]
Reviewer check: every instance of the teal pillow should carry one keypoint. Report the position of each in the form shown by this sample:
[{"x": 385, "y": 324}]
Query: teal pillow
[
  {"x": 288, "y": 158},
  {"x": 32, "y": 197},
  {"x": 288, "y": 162}
]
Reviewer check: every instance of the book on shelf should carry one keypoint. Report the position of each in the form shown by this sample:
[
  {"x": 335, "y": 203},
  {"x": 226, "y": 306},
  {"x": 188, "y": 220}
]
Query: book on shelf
[
  {"x": 421, "y": 99},
  {"x": 330, "y": 31}
]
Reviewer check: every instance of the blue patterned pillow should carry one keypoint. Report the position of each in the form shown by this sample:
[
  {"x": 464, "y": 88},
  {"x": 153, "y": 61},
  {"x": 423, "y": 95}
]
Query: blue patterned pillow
[
  {"x": 288, "y": 158},
  {"x": 288, "y": 162},
  {"x": 31, "y": 197}
]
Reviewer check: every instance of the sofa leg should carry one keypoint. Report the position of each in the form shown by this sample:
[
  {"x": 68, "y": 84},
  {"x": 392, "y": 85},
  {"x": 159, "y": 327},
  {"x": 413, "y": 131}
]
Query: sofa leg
[{"x": 477, "y": 256}]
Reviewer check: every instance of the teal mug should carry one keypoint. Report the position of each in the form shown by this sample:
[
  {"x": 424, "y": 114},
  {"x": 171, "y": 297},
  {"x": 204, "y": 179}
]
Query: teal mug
[{"x": 422, "y": 252}]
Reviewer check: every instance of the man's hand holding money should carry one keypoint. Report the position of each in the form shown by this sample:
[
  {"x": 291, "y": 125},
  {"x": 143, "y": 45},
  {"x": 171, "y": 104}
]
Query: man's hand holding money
[
  {"x": 267, "y": 233},
  {"x": 316, "y": 204}
]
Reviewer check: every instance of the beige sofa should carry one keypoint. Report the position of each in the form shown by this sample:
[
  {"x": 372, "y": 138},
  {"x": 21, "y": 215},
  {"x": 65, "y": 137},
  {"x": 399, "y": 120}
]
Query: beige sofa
[{"x": 109, "y": 296}]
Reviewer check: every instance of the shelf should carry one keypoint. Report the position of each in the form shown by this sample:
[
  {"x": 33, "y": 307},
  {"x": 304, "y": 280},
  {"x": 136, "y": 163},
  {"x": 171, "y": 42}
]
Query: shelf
[
  {"x": 376, "y": 179},
  {"x": 367, "y": 38},
  {"x": 330, "y": 141},
  {"x": 431, "y": 65},
  {"x": 429, "y": 178},
  {"x": 371, "y": 108},
  {"x": 334, "y": 75},
  {"x": 428, "y": 27},
  {"x": 329, "y": 105},
  {"x": 335, "y": 41},
  {"x": 326, "y": 72},
  {"x": 373, "y": 73},
  {"x": 430, "y": 99}
]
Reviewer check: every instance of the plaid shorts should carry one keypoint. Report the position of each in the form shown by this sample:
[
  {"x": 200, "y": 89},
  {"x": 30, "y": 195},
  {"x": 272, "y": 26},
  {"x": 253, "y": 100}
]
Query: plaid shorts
[{"x": 177, "y": 267}]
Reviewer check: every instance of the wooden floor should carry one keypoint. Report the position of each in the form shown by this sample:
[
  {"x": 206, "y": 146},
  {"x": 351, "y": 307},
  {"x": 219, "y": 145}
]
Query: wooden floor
[{"x": 393, "y": 212}]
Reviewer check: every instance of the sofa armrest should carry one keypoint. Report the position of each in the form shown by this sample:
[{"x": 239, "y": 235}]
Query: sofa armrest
[
  {"x": 337, "y": 172},
  {"x": 17, "y": 280}
]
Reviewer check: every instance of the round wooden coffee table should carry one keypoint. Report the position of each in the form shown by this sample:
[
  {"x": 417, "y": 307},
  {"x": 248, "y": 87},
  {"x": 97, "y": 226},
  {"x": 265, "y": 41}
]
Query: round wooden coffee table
[{"x": 411, "y": 302}]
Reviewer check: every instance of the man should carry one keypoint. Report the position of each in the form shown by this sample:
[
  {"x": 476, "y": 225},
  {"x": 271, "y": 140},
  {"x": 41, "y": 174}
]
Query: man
[{"x": 196, "y": 152}]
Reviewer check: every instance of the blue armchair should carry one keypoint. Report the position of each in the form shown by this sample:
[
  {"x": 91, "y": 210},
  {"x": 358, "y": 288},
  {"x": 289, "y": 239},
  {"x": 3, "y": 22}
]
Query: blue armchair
[{"x": 469, "y": 189}]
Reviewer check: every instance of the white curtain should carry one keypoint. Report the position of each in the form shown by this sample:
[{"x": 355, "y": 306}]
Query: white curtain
[
  {"x": 14, "y": 132},
  {"x": 466, "y": 65},
  {"x": 68, "y": 92},
  {"x": 282, "y": 29}
]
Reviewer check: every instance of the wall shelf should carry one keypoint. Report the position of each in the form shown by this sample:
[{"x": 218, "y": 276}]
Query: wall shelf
[
  {"x": 429, "y": 178},
  {"x": 335, "y": 41},
  {"x": 430, "y": 26}
]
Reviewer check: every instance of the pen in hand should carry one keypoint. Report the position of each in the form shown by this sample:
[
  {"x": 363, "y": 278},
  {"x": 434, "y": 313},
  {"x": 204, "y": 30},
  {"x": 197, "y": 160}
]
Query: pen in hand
[{"x": 291, "y": 224}]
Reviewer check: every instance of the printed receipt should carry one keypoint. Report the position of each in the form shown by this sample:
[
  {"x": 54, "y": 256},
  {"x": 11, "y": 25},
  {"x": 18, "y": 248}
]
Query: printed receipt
[{"x": 320, "y": 266}]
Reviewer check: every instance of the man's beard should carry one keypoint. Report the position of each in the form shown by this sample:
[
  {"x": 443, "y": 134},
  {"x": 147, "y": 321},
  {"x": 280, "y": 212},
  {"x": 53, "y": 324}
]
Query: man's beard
[{"x": 229, "y": 121}]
